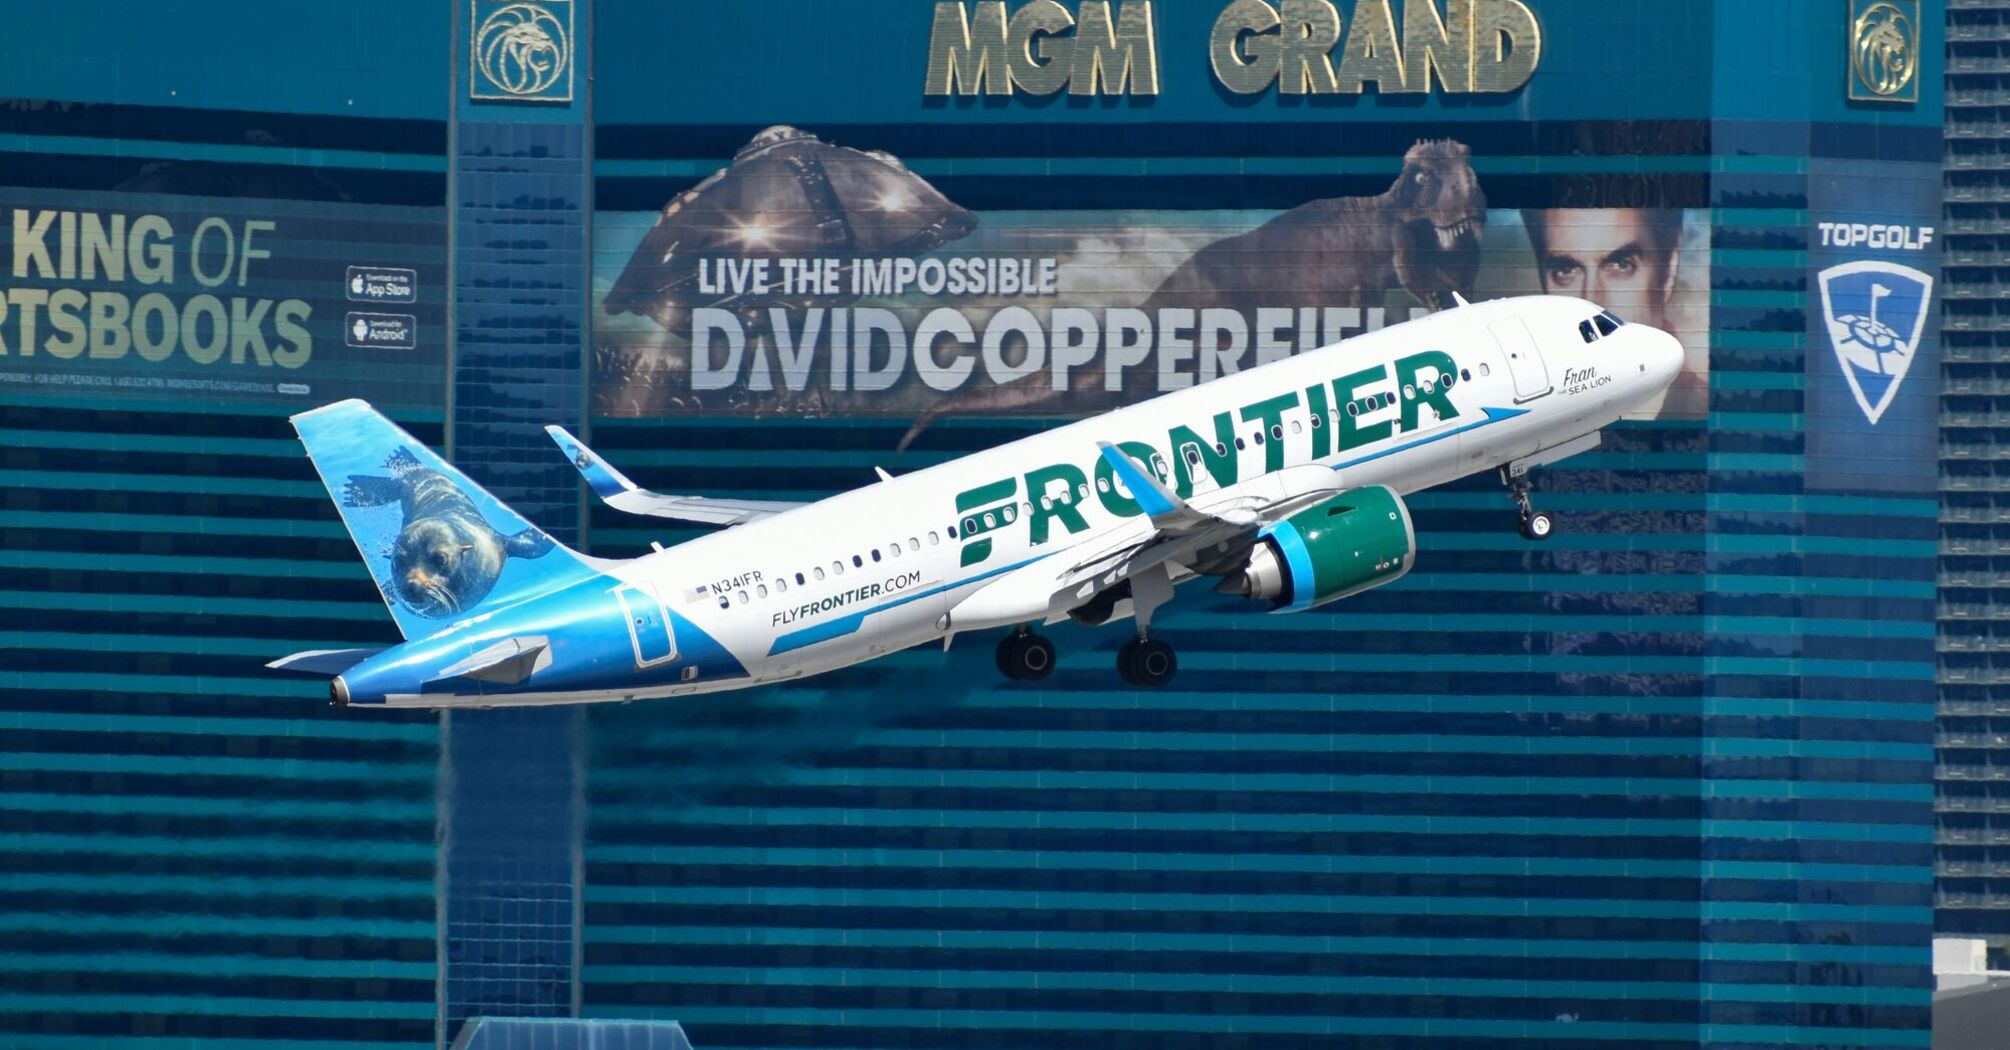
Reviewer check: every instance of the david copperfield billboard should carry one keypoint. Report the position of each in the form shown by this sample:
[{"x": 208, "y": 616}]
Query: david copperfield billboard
[
  {"x": 167, "y": 296},
  {"x": 813, "y": 278}
]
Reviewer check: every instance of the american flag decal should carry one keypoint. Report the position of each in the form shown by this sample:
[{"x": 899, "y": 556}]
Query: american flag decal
[{"x": 696, "y": 594}]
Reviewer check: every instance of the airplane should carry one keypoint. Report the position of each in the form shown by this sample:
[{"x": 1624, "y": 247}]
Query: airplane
[{"x": 1282, "y": 483}]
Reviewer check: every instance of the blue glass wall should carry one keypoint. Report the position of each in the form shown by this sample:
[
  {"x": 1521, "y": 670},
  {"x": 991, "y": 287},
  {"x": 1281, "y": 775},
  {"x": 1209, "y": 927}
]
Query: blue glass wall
[{"x": 1660, "y": 782}]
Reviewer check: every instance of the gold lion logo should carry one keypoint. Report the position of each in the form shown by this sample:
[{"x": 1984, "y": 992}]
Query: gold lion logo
[
  {"x": 1883, "y": 53},
  {"x": 522, "y": 49}
]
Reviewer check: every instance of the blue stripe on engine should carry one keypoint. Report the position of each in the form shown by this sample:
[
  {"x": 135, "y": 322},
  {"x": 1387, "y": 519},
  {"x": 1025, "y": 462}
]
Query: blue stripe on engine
[{"x": 1299, "y": 558}]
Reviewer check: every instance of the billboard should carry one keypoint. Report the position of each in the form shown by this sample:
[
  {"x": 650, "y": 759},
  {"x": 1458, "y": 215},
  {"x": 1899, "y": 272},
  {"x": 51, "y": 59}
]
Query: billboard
[
  {"x": 813, "y": 279},
  {"x": 151, "y": 295}
]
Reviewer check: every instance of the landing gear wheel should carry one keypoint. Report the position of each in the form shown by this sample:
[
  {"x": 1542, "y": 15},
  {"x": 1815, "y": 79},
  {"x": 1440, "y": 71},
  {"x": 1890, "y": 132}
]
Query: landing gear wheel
[
  {"x": 1025, "y": 657},
  {"x": 1537, "y": 525},
  {"x": 1146, "y": 662},
  {"x": 1533, "y": 524}
]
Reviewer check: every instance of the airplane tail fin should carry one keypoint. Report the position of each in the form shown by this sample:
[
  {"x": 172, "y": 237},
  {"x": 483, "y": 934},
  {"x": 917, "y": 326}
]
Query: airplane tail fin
[{"x": 437, "y": 544}]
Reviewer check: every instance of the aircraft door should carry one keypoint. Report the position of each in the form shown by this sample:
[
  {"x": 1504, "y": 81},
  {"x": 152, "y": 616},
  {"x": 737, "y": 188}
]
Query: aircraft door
[
  {"x": 1531, "y": 375},
  {"x": 648, "y": 624}
]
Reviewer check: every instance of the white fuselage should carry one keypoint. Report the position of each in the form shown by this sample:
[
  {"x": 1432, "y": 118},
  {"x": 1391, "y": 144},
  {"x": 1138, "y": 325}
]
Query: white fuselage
[{"x": 884, "y": 567}]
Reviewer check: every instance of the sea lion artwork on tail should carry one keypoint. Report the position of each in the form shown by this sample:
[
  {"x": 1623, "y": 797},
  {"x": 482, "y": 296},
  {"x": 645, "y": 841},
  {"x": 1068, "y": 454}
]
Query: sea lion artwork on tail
[{"x": 447, "y": 557}]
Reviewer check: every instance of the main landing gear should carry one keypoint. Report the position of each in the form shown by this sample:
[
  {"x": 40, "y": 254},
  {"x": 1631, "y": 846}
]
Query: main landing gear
[
  {"x": 1534, "y": 524},
  {"x": 1025, "y": 657},
  {"x": 1143, "y": 661}
]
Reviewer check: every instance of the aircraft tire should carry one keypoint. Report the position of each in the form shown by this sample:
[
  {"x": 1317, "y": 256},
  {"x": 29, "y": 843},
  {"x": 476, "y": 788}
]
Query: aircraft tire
[
  {"x": 1025, "y": 657},
  {"x": 1146, "y": 662},
  {"x": 1537, "y": 525}
]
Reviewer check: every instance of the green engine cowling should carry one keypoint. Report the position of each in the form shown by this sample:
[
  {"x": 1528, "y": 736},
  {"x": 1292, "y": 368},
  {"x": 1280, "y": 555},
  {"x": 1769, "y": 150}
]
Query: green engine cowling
[{"x": 1359, "y": 539}]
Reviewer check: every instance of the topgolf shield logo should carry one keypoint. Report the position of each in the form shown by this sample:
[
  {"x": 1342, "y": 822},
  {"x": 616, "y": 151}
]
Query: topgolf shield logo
[{"x": 1875, "y": 312}]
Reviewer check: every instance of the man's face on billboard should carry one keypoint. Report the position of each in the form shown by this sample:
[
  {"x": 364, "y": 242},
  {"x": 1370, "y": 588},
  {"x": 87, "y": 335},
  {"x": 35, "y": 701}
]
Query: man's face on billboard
[{"x": 1610, "y": 257}]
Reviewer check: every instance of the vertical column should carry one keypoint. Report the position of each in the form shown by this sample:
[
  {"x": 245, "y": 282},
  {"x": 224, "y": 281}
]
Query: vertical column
[{"x": 511, "y": 781}]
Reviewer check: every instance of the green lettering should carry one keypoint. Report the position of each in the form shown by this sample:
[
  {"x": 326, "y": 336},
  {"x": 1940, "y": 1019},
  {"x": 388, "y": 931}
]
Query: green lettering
[
  {"x": 1412, "y": 392},
  {"x": 1347, "y": 388},
  {"x": 1322, "y": 438},
  {"x": 1218, "y": 456},
  {"x": 1047, "y": 506},
  {"x": 1269, "y": 413},
  {"x": 976, "y": 550}
]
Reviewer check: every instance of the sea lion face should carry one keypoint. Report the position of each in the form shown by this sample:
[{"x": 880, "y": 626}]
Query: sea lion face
[{"x": 444, "y": 564}]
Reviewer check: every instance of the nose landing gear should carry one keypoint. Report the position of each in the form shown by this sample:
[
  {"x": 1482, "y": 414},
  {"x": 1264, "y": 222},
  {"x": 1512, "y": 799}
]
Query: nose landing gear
[{"x": 1534, "y": 524}]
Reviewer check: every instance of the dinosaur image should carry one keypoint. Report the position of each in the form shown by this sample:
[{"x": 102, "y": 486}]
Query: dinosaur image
[{"x": 1422, "y": 236}]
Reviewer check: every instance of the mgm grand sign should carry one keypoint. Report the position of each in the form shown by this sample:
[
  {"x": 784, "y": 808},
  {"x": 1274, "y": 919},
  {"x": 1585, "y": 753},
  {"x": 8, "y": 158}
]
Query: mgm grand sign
[{"x": 1300, "y": 47}]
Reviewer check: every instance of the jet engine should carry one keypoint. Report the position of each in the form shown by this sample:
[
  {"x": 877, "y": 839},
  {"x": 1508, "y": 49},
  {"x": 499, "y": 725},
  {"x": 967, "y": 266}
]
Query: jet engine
[{"x": 1359, "y": 539}]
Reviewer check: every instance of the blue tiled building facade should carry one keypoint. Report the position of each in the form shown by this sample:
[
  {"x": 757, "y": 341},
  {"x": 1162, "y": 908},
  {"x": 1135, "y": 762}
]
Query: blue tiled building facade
[{"x": 1665, "y": 780}]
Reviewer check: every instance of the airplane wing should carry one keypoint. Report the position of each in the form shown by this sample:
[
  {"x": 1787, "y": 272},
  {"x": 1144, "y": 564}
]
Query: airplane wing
[
  {"x": 614, "y": 489},
  {"x": 1181, "y": 540}
]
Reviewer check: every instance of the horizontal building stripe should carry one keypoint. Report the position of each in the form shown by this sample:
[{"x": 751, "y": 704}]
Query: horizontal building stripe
[
  {"x": 1232, "y": 982},
  {"x": 698, "y": 936},
  {"x": 1301, "y": 823}
]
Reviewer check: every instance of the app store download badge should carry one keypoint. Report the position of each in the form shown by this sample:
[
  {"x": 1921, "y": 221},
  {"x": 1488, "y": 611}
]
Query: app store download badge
[
  {"x": 380, "y": 331},
  {"x": 382, "y": 284}
]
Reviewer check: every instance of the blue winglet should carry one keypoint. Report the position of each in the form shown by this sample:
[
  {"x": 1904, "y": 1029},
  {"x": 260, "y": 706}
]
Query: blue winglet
[
  {"x": 601, "y": 477},
  {"x": 1151, "y": 496}
]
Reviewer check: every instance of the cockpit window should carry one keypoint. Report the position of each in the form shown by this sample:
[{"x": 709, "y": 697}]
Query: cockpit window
[
  {"x": 1584, "y": 329},
  {"x": 1607, "y": 324}
]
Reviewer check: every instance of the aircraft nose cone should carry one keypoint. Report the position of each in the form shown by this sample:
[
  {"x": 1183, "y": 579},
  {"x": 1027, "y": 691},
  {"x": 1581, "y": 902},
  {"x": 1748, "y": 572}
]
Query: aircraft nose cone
[{"x": 1665, "y": 357}]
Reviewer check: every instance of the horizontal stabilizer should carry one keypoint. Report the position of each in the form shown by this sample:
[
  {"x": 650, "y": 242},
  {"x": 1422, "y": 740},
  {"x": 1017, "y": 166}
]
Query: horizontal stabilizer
[
  {"x": 614, "y": 489},
  {"x": 323, "y": 661},
  {"x": 507, "y": 662}
]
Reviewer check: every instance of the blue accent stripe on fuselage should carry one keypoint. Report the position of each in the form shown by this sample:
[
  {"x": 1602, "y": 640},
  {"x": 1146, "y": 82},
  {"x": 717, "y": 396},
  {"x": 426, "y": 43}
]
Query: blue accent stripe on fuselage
[
  {"x": 1494, "y": 415},
  {"x": 849, "y": 623}
]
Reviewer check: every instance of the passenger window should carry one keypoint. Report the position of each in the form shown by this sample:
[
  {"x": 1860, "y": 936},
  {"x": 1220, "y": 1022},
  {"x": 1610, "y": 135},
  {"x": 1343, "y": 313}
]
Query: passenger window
[
  {"x": 1466, "y": 374},
  {"x": 837, "y": 568},
  {"x": 933, "y": 538},
  {"x": 724, "y": 603},
  {"x": 1192, "y": 456},
  {"x": 952, "y": 532},
  {"x": 781, "y": 585},
  {"x": 800, "y": 581},
  {"x": 1486, "y": 369},
  {"x": 893, "y": 549},
  {"x": 859, "y": 563},
  {"x": 1277, "y": 431},
  {"x": 1102, "y": 484},
  {"x": 819, "y": 571},
  {"x": 1318, "y": 421},
  {"x": 990, "y": 520},
  {"x": 914, "y": 543},
  {"x": 1257, "y": 437},
  {"x": 1353, "y": 408},
  {"x": 741, "y": 597},
  {"x": 761, "y": 590},
  {"x": 1220, "y": 449},
  {"x": 1082, "y": 491},
  {"x": 1409, "y": 392},
  {"x": 1239, "y": 445},
  {"x": 1047, "y": 502},
  {"x": 1296, "y": 427}
]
